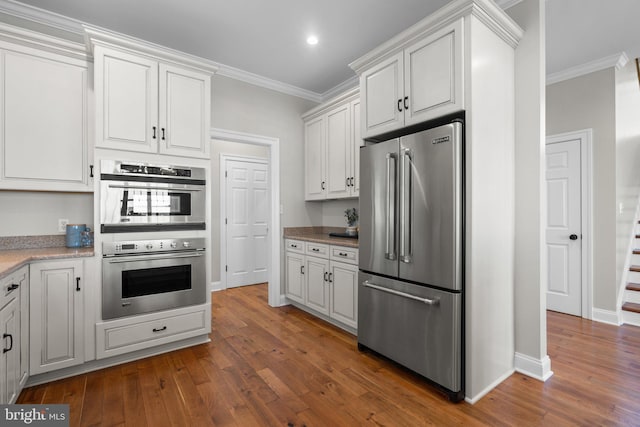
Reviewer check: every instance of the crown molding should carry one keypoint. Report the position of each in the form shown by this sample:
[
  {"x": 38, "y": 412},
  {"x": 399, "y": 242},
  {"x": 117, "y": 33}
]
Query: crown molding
[
  {"x": 349, "y": 96},
  {"x": 506, "y": 4},
  {"x": 486, "y": 11},
  {"x": 41, "y": 16},
  {"x": 346, "y": 85},
  {"x": 257, "y": 80},
  {"x": 36, "y": 40},
  {"x": 617, "y": 61}
]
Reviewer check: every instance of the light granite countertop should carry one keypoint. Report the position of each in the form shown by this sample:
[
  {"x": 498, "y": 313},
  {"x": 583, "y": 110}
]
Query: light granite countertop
[
  {"x": 12, "y": 259},
  {"x": 320, "y": 235}
]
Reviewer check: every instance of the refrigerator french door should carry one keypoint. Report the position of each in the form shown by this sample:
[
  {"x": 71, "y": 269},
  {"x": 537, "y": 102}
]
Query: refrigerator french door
[{"x": 410, "y": 282}]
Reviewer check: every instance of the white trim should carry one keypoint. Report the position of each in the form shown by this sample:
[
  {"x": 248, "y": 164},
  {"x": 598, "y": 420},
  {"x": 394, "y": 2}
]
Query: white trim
[
  {"x": 216, "y": 286},
  {"x": 630, "y": 318},
  {"x": 626, "y": 269},
  {"x": 472, "y": 400},
  {"x": 606, "y": 316},
  {"x": 349, "y": 84},
  {"x": 506, "y": 4},
  {"x": 275, "y": 296},
  {"x": 586, "y": 211},
  {"x": 348, "y": 96},
  {"x": 41, "y": 16},
  {"x": 257, "y": 80},
  {"x": 34, "y": 39},
  {"x": 617, "y": 61},
  {"x": 224, "y": 158},
  {"x": 539, "y": 369}
]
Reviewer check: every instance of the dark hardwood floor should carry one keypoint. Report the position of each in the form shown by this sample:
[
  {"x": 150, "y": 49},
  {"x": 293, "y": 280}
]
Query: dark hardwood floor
[{"x": 283, "y": 367}]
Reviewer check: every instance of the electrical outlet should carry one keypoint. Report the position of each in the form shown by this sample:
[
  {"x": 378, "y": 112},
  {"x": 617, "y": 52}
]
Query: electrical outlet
[{"x": 62, "y": 224}]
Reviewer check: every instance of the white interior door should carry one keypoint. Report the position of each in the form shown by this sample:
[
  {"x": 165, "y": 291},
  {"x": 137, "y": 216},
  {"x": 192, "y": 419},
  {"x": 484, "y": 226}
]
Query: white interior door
[
  {"x": 564, "y": 225},
  {"x": 247, "y": 220}
]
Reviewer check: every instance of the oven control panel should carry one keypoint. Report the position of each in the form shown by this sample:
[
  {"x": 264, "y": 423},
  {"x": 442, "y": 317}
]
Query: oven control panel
[{"x": 147, "y": 246}]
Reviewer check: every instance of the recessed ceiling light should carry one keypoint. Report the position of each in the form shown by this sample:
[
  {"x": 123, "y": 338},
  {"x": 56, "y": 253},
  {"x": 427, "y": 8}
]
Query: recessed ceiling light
[{"x": 312, "y": 40}]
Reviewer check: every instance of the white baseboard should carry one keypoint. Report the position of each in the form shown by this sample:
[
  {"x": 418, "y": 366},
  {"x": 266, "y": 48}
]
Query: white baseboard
[
  {"x": 283, "y": 300},
  {"x": 216, "y": 286},
  {"x": 606, "y": 316},
  {"x": 473, "y": 399},
  {"x": 539, "y": 369}
]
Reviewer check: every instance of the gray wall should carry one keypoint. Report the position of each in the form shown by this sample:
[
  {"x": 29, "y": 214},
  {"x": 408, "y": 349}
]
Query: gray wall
[
  {"x": 589, "y": 102},
  {"x": 32, "y": 213}
]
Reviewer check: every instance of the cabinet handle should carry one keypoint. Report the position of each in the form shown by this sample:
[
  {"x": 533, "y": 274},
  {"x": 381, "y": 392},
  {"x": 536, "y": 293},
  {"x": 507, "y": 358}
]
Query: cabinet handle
[
  {"x": 325, "y": 277},
  {"x": 330, "y": 277},
  {"x": 5, "y": 336},
  {"x": 164, "y": 328},
  {"x": 347, "y": 182},
  {"x": 154, "y": 132},
  {"x": 294, "y": 246},
  {"x": 406, "y": 98},
  {"x": 302, "y": 269},
  {"x": 322, "y": 185},
  {"x": 90, "y": 171},
  {"x": 162, "y": 129},
  {"x": 351, "y": 179},
  {"x": 12, "y": 288},
  {"x": 315, "y": 249},
  {"x": 342, "y": 254},
  {"x": 400, "y": 105},
  {"x": 77, "y": 284}
]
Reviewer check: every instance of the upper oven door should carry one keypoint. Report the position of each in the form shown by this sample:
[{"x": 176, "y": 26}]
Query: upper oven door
[{"x": 135, "y": 205}]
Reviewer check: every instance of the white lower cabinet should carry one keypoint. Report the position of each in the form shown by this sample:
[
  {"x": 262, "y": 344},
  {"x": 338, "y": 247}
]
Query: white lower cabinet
[
  {"x": 56, "y": 315},
  {"x": 14, "y": 303},
  {"x": 140, "y": 332},
  {"x": 324, "y": 279}
]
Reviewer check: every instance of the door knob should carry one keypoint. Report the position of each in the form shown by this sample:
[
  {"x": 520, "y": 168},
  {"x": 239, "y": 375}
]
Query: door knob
[{"x": 574, "y": 237}]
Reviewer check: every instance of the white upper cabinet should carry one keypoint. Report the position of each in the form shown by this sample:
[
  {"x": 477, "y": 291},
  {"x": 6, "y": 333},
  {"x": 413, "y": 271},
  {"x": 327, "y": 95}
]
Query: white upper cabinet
[
  {"x": 150, "y": 100},
  {"x": 126, "y": 88},
  {"x": 43, "y": 117},
  {"x": 422, "y": 82},
  {"x": 332, "y": 142}
]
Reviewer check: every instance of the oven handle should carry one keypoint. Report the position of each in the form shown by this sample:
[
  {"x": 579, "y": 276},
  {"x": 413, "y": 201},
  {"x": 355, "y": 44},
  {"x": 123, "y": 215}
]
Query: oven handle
[
  {"x": 151, "y": 257},
  {"x": 142, "y": 187}
]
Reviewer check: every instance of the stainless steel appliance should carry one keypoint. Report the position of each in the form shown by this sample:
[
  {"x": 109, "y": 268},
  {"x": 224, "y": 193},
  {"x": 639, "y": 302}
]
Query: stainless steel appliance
[
  {"x": 410, "y": 294},
  {"x": 144, "y": 197},
  {"x": 152, "y": 275}
]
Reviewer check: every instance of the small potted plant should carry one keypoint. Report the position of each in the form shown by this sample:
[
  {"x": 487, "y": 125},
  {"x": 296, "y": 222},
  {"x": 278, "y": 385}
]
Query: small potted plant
[{"x": 352, "y": 217}]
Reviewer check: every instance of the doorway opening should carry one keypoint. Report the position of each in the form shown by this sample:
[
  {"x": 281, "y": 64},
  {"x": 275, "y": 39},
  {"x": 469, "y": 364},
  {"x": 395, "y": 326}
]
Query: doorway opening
[
  {"x": 568, "y": 234},
  {"x": 273, "y": 222}
]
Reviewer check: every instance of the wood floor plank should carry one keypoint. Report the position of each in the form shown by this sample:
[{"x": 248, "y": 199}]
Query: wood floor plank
[{"x": 284, "y": 367}]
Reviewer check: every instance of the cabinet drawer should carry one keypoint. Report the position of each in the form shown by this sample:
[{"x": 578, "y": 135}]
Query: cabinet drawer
[
  {"x": 10, "y": 286},
  {"x": 344, "y": 254},
  {"x": 317, "y": 249},
  {"x": 118, "y": 338},
  {"x": 294, "y": 245}
]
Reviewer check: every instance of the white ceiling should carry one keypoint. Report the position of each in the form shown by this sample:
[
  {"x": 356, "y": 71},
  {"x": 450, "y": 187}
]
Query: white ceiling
[{"x": 267, "y": 37}]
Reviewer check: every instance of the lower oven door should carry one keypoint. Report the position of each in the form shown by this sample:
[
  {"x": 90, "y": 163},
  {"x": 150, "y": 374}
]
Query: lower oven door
[{"x": 145, "y": 283}]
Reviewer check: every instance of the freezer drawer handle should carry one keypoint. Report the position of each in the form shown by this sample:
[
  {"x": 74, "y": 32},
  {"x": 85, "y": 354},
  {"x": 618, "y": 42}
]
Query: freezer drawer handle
[{"x": 428, "y": 301}]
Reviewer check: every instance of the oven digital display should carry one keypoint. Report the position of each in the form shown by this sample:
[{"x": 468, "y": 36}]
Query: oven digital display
[{"x": 128, "y": 246}]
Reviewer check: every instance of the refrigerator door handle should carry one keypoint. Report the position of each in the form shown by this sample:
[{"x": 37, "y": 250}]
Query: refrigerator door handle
[
  {"x": 405, "y": 205},
  {"x": 427, "y": 301},
  {"x": 390, "y": 233}
]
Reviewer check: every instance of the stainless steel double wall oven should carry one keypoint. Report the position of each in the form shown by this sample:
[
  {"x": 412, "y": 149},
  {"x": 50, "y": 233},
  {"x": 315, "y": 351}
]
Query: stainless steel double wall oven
[{"x": 159, "y": 272}]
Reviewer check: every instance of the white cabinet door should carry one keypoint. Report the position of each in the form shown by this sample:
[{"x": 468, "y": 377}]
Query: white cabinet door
[
  {"x": 185, "y": 105},
  {"x": 344, "y": 293},
  {"x": 294, "y": 283},
  {"x": 356, "y": 143},
  {"x": 21, "y": 277},
  {"x": 339, "y": 148},
  {"x": 56, "y": 315},
  {"x": 315, "y": 154},
  {"x": 317, "y": 284},
  {"x": 44, "y": 122},
  {"x": 433, "y": 75},
  {"x": 10, "y": 357},
  {"x": 382, "y": 96},
  {"x": 126, "y": 91}
]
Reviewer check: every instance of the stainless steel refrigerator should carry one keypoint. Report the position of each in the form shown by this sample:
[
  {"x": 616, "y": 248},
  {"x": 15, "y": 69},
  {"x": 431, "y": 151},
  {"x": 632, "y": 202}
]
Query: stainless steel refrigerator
[{"x": 410, "y": 291}]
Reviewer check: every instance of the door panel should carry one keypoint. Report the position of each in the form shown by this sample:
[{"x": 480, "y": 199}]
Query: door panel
[
  {"x": 564, "y": 281},
  {"x": 315, "y": 154},
  {"x": 381, "y": 88},
  {"x": 378, "y": 203},
  {"x": 338, "y": 151},
  {"x": 247, "y": 218},
  {"x": 430, "y": 228},
  {"x": 317, "y": 289}
]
